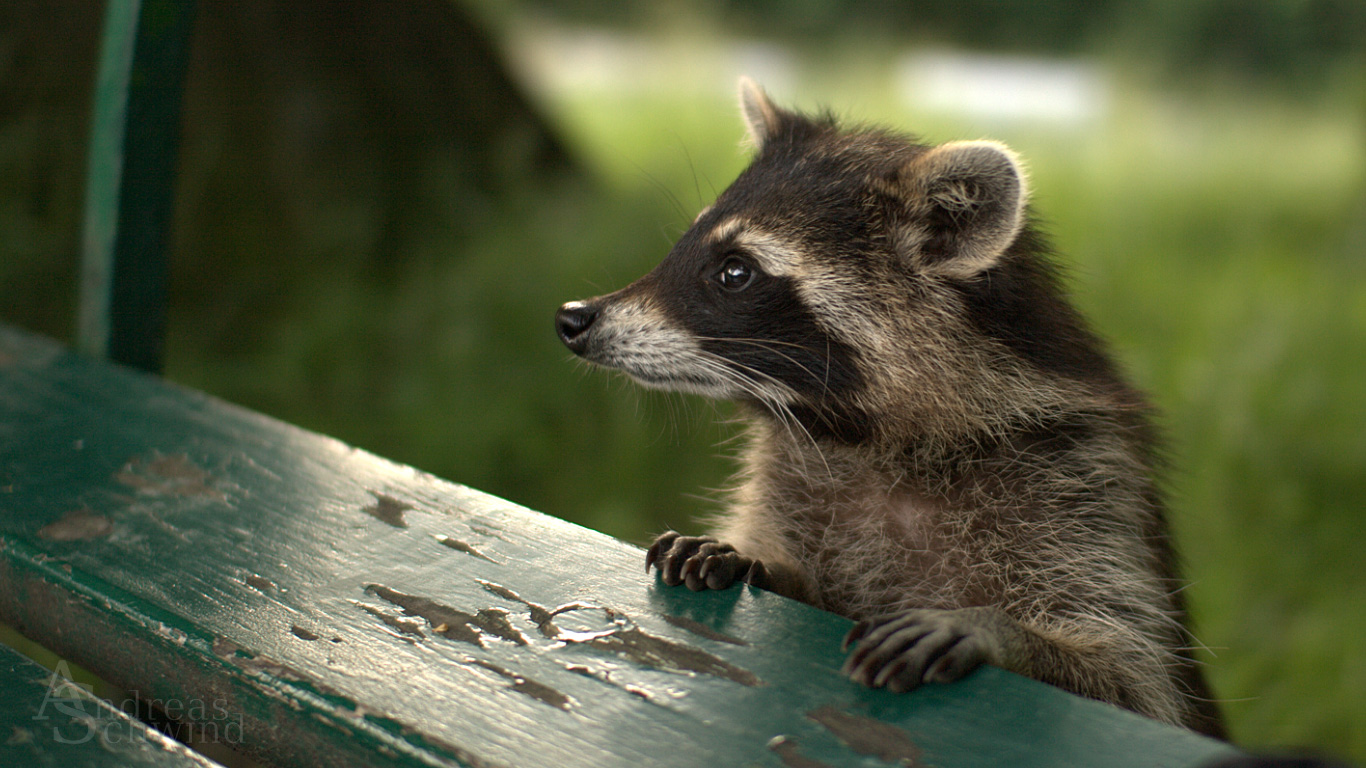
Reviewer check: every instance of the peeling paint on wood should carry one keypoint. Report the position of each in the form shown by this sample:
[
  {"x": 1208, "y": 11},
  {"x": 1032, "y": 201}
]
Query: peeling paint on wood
[
  {"x": 447, "y": 621},
  {"x": 388, "y": 510},
  {"x": 461, "y": 546},
  {"x": 643, "y": 648},
  {"x": 616, "y": 635},
  {"x": 174, "y": 475},
  {"x": 868, "y": 736},
  {"x": 702, "y": 630},
  {"x": 79, "y": 525},
  {"x": 538, "y": 691},
  {"x": 224, "y": 648},
  {"x": 404, "y": 625},
  {"x": 787, "y": 750}
]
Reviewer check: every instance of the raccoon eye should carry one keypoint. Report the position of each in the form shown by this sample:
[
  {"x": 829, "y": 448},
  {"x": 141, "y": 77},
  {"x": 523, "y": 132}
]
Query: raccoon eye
[{"x": 735, "y": 275}]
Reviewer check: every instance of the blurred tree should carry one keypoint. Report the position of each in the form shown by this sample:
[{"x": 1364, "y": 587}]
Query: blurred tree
[
  {"x": 1277, "y": 39},
  {"x": 326, "y": 137},
  {"x": 317, "y": 134},
  {"x": 47, "y": 59}
]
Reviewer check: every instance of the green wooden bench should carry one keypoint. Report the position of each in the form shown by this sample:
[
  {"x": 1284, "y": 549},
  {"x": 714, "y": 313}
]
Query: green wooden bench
[
  {"x": 336, "y": 608},
  {"x": 312, "y": 604}
]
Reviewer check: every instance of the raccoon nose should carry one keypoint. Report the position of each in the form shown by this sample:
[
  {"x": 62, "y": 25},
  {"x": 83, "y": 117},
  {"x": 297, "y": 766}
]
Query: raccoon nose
[{"x": 573, "y": 321}]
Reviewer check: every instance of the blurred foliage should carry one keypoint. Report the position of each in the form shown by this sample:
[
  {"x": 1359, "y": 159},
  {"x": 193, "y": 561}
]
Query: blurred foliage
[
  {"x": 1283, "y": 40},
  {"x": 368, "y": 254},
  {"x": 317, "y": 136}
]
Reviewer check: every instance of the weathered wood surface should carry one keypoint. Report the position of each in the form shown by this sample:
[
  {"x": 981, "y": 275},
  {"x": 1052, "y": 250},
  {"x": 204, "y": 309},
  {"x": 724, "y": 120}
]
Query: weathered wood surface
[
  {"x": 351, "y": 611},
  {"x": 54, "y": 722}
]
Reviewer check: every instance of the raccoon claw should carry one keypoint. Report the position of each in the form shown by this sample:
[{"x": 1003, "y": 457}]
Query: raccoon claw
[
  {"x": 701, "y": 562},
  {"x": 662, "y": 544},
  {"x": 855, "y": 632},
  {"x": 902, "y": 651},
  {"x": 756, "y": 576}
]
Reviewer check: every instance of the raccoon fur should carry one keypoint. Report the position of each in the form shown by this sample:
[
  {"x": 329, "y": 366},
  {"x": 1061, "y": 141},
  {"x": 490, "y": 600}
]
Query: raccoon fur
[{"x": 939, "y": 448}]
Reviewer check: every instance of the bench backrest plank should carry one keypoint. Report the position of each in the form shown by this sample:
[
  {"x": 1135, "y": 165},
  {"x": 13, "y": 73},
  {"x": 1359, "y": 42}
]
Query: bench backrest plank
[
  {"x": 55, "y": 722},
  {"x": 130, "y": 179}
]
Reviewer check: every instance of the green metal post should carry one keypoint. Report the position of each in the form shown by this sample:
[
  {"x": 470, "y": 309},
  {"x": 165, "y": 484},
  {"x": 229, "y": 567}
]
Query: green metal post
[{"x": 130, "y": 179}]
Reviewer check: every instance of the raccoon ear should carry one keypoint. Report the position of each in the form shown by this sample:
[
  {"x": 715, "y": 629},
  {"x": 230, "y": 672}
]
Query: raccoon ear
[
  {"x": 761, "y": 117},
  {"x": 967, "y": 201}
]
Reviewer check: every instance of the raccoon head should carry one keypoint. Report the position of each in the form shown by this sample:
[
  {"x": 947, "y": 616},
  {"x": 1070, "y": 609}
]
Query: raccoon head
[{"x": 831, "y": 282}]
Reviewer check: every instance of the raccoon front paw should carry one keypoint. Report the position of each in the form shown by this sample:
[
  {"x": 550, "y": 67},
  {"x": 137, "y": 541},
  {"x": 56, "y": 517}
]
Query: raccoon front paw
[
  {"x": 902, "y": 651},
  {"x": 701, "y": 562}
]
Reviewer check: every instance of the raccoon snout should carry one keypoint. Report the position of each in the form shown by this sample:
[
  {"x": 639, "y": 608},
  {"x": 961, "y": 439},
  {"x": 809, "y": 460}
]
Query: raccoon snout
[{"x": 573, "y": 321}]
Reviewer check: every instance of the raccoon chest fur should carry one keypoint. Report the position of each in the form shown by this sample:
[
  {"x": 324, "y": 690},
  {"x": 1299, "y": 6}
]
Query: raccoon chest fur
[{"x": 871, "y": 548}]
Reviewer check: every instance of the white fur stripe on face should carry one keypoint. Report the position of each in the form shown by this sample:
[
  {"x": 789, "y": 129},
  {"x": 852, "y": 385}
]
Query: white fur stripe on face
[
  {"x": 725, "y": 230},
  {"x": 771, "y": 253}
]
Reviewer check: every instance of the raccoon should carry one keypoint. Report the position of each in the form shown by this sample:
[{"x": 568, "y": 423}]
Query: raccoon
[{"x": 938, "y": 446}]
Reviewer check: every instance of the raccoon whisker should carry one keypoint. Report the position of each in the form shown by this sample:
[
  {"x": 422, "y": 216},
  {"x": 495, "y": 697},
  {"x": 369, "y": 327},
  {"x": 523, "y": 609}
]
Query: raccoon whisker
[
  {"x": 697, "y": 188},
  {"x": 787, "y": 411},
  {"x": 825, "y": 383},
  {"x": 664, "y": 190},
  {"x": 769, "y": 344},
  {"x": 764, "y": 342},
  {"x": 781, "y": 411},
  {"x": 723, "y": 369}
]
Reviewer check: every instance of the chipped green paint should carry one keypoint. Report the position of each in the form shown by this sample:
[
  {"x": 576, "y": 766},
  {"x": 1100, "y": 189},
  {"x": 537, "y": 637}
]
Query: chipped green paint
[{"x": 352, "y": 611}]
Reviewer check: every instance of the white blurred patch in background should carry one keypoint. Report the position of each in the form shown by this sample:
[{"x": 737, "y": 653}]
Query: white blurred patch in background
[
  {"x": 994, "y": 93},
  {"x": 1004, "y": 89}
]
